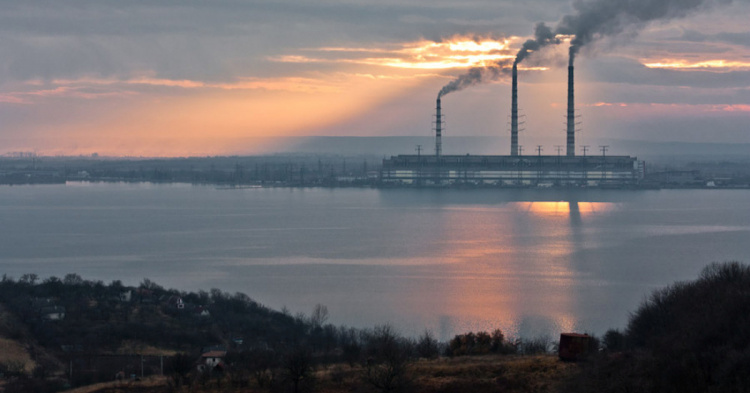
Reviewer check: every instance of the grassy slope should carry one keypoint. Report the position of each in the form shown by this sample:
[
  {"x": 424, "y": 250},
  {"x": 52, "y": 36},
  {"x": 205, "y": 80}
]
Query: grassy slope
[
  {"x": 476, "y": 374},
  {"x": 13, "y": 350}
]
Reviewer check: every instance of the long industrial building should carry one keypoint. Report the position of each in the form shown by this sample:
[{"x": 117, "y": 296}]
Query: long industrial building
[
  {"x": 514, "y": 170},
  {"x": 541, "y": 170}
]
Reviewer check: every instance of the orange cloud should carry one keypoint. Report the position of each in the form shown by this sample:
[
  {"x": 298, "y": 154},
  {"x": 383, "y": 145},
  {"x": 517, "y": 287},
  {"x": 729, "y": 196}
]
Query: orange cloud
[
  {"x": 606, "y": 104},
  {"x": 658, "y": 108},
  {"x": 295, "y": 84},
  {"x": 12, "y": 99},
  {"x": 705, "y": 65},
  {"x": 458, "y": 52},
  {"x": 735, "y": 108},
  {"x": 146, "y": 114},
  {"x": 26, "y": 97}
]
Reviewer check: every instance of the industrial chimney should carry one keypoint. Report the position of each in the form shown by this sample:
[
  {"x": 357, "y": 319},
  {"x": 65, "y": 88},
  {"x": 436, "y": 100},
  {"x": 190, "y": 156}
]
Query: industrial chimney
[
  {"x": 514, "y": 113},
  {"x": 438, "y": 130},
  {"x": 571, "y": 129}
]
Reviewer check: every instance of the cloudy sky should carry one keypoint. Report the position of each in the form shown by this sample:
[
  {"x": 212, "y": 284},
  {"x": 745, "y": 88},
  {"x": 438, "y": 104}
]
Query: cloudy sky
[{"x": 189, "y": 77}]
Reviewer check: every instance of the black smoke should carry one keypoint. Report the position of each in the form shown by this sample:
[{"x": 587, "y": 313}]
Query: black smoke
[
  {"x": 543, "y": 36},
  {"x": 593, "y": 20},
  {"x": 597, "y": 19},
  {"x": 476, "y": 76}
]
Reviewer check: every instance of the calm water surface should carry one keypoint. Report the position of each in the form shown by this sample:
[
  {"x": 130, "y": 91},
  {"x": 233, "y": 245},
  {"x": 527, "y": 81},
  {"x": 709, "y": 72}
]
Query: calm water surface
[{"x": 527, "y": 261}]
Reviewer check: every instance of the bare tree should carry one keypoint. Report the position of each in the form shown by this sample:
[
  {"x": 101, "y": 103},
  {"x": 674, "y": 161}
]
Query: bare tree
[
  {"x": 181, "y": 366},
  {"x": 388, "y": 361},
  {"x": 427, "y": 346},
  {"x": 29, "y": 278},
  {"x": 298, "y": 364},
  {"x": 319, "y": 315}
]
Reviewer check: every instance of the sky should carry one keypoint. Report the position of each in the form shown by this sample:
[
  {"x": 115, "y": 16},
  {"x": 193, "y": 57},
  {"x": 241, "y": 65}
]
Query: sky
[{"x": 196, "y": 78}]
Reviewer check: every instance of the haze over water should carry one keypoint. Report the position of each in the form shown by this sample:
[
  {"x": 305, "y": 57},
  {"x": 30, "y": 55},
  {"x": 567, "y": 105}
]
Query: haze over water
[{"x": 527, "y": 261}]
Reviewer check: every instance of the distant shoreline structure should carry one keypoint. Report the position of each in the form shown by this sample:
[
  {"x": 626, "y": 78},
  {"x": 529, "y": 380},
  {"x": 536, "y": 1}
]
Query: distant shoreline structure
[
  {"x": 350, "y": 146},
  {"x": 408, "y": 171}
]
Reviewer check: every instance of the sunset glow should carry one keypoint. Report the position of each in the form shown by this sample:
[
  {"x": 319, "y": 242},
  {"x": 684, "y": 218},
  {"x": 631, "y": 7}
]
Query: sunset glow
[
  {"x": 174, "y": 78},
  {"x": 709, "y": 65},
  {"x": 426, "y": 55},
  {"x": 480, "y": 247},
  {"x": 665, "y": 109},
  {"x": 564, "y": 208},
  {"x": 449, "y": 196}
]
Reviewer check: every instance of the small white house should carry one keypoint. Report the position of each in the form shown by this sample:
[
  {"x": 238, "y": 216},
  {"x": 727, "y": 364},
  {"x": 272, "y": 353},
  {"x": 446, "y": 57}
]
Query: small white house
[
  {"x": 202, "y": 312},
  {"x": 53, "y": 313},
  {"x": 213, "y": 358},
  {"x": 126, "y": 296},
  {"x": 176, "y": 302}
]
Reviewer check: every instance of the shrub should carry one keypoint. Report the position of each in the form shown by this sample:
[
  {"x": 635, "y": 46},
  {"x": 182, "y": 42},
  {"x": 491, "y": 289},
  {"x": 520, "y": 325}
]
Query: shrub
[
  {"x": 427, "y": 346},
  {"x": 613, "y": 341},
  {"x": 535, "y": 346},
  {"x": 687, "y": 337},
  {"x": 479, "y": 343},
  {"x": 389, "y": 357}
]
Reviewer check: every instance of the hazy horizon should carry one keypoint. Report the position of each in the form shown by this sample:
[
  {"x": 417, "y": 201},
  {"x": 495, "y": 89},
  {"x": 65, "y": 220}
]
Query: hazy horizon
[{"x": 407, "y": 144}]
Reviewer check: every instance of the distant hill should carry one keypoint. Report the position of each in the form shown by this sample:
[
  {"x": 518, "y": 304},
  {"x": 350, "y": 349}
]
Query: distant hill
[
  {"x": 490, "y": 145},
  {"x": 647, "y": 150},
  {"x": 392, "y": 145}
]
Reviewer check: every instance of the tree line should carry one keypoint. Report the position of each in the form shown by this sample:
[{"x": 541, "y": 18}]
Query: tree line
[
  {"x": 266, "y": 348},
  {"x": 688, "y": 337}
]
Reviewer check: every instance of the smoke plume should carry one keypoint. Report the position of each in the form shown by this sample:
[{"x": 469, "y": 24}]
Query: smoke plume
[
  {"x": 476, "y": 76},
  {"x": 593, "y": 20},
  {"x": 543, "y": 36},
  {"x": 597, "y": 19}
]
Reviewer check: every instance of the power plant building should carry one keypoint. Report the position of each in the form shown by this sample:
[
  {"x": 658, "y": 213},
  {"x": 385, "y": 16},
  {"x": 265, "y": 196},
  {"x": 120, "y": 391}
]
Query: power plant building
[
  {"x": 540, "y": 170},
  {"x": 515, "y": 169}
]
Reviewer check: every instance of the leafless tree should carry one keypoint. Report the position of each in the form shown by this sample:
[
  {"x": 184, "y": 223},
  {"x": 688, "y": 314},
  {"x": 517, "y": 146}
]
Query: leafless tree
[{"x": 389, "y": 357}]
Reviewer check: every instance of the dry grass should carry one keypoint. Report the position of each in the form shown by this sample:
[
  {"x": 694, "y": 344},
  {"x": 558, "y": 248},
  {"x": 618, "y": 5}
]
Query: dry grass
[
  {"x": 541, "y": 373},
  {"x": 475, "y": 374},
  {"x": 153, "y": 384},
  {"x": 131, "y": 346},
  {"x": 12, "y": 351}
]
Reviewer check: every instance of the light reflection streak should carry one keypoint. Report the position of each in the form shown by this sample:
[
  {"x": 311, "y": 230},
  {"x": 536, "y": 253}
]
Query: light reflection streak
[
  {"x": 491, "y": 287},
  {"x": 560, "y": 208}
]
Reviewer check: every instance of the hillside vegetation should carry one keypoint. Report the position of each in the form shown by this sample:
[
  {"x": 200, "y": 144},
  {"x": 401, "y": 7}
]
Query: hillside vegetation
[
  {"x": 62, "y": 333},
  {"x": 688, "y": 337}
]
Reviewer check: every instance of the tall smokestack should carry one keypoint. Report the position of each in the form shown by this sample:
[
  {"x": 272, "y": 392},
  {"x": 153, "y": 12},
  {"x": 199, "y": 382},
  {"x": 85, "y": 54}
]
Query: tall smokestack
[
  {"x": 571, "y": 130},
  {"x": 438, "y": 130},
  {"x": 514, "y": 113}
]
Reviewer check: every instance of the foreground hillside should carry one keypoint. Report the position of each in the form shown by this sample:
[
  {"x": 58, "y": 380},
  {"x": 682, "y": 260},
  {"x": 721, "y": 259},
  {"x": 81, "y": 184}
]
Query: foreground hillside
[
  {"x": 478, "y": 374},
  {"x": 91, "y": 337},
  {"x": 72, "y": 331}
]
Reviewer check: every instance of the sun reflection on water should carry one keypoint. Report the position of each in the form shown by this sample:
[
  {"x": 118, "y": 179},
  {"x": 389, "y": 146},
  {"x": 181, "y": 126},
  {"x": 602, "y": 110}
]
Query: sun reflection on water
[
  {"x": 563, "y": 208},
  {"x": 500, "y": 277}
]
